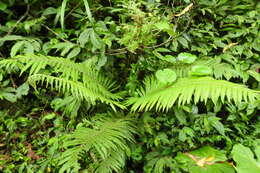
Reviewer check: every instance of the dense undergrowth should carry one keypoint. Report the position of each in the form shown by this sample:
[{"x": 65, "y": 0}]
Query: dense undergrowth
[{"x": 130, "y": 86}]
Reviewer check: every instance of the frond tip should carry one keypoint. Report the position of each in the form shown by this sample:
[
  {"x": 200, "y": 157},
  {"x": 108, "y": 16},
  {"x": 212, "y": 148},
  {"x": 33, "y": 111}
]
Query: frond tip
[{"x": 185, "y": 90}]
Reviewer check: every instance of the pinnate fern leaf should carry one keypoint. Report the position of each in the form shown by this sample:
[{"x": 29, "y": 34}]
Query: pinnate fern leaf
[
  {"x": 186, "y": 90},
  {"x": 77, "y": 89},
  {"x": 115, "y": 160},
  {"x": 106, "y": 144},
  {"x": 79, "y": 79}
]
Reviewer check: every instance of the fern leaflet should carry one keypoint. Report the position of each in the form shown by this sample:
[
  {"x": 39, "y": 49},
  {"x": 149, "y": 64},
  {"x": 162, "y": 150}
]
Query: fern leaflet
[
  {"x": 106, "y": 143},
  {"x": 163, "y": 97}
]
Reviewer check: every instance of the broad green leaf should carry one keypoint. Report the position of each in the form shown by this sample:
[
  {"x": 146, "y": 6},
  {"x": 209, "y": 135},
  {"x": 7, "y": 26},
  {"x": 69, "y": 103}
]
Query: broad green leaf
[
  {"x": 62, "y": 13},
  {"x": 102, "y": 60},
  {"x": 257, "y": 153},
  {"x": 28, "y": 48},
  {"x": 23, "y": 120},
  {"x": 254, "y": 74},
  {"x": 22, "y": 90},
  {"x": 163, "y": 25},
  {"x": 183, "y": 42},
  {"x": 201, "y": 70},
  {"x": 244, "y": 159},
  {"x": 36, "y": 45},
  {"x": 216, "y": 168},
  {"x": 49, "y": 11},
  {"x": 95, "y": 39},
  {"x": 10, "y": 38},
  {"x": 214, "y": 121},
  {"x": 186, "y": 131},
  {"x": 75, "y": 51},
  {"x": 88, "y": 10},
  {"x": 16, "y": 47},
  {"x": 9, "y": 96},
  {"x": 49, "y": 116},
  {"x": 158, "y": 55},
  {"x": 169, "y": 58},
  {"x": 180, "y": 115},
  {"x": 84, "y": 37},
  {"x": 186, "y": 58},
  {"x": 162, "y": 50},
  {"x": 204, "y": 160},
  {"x": 174, "y": 45},
  {"x": 166, "y": 75},
  {"x": 66, "y": 49},
  {"x": 3, "y": 6}
]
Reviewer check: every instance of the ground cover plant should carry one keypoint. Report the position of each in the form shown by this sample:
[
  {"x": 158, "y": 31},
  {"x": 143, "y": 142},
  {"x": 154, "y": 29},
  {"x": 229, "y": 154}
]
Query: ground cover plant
[{"x": 130, "y": 86}]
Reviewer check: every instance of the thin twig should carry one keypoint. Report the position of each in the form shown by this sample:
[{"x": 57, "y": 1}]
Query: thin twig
[
  {"x": 18, "y": 21},
  {"x": 12, "y": 81},
  {"x": 118, "y": 53},
  {"x": 1, "y": 54},
  {"x": 72, "y": 10},
  {"x": 161, "y": 44},
  {"x": 118, "y": 50},
  {"x": 49, "y": 29},
  {"x": 170, "y": 38}
]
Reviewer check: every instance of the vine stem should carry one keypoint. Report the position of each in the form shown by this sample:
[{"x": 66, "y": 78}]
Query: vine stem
[{"x": 19, "y": 21}]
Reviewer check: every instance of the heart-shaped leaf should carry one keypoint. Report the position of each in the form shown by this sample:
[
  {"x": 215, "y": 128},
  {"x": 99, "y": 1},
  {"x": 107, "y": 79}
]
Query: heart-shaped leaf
[
  {"x": 201, "y": 70},
  {"x": 187, "y": 58},
  {"x": 166, "y": 75}
]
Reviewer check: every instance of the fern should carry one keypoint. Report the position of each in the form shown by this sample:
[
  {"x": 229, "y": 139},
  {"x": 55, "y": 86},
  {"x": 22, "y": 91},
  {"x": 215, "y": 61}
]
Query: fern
[
  {"x": 225, "y": 70},
  {"x": 106, "y": 143},
  {"x": 163, "y": 97},
  {"x": 79, "y": 79},
  {"x": 77, "y": 89},
  {"x": 114, "y": 162},
  {"x": 158, "y": 163}
]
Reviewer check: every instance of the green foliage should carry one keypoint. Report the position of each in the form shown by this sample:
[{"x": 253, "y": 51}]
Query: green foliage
[
  {"x": 186, "y": 58},
  {"x": 105, "y": 143},
  {"x": 205, "y": 159},
  {"x": 244, "y": 159},
  {"x": 166, "y": 75},
  {"x": 79, "y": 79},
  {"x": 163, "y": 97},
  {"x": 188, "y": 71},
  {"x": 200, "y": 70}
]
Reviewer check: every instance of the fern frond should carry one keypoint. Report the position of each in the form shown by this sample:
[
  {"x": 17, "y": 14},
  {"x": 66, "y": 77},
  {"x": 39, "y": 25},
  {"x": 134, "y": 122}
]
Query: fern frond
[
  {"x": 113, "y": 163},
  {"x": 163, "y": 97},
  {"x": 68, "y": 69},
  {"x": 225, "y": 70},
  {"x": 156, "y": 162},
  {"x": 77, "y": 89},
  {"x": 108, "y": 137},
  {"x": 35, "y": 63},
  {"x": 162, "y": 163},
  {"x": 10, "y": 65},
  {"x": 79, "y": 79}
]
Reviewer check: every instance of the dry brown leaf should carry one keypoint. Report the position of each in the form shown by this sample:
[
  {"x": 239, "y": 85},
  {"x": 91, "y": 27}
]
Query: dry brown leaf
[{"x": 31, "y": 153}]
